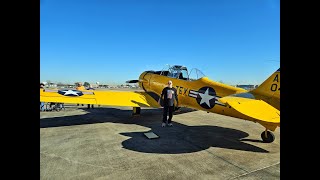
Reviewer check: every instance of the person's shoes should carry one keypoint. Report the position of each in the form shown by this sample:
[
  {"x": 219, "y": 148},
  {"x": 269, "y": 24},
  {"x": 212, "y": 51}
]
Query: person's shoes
[
  {"x": 170, "y": 124},
  {"x": 163, "y": 125}
]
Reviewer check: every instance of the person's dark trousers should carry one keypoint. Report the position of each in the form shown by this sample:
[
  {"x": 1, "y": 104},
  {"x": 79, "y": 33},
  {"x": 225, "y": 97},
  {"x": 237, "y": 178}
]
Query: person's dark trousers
[
  {"x": 89, "y": 106},
  {"x": 165, "y": 112}
]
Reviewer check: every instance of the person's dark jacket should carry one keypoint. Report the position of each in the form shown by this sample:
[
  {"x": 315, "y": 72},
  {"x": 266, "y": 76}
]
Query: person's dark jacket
[{"x": 166, "y": 101}]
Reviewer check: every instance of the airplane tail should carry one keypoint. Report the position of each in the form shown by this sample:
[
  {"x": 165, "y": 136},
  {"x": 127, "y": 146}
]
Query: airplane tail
[{"x": 270, "y": 87}]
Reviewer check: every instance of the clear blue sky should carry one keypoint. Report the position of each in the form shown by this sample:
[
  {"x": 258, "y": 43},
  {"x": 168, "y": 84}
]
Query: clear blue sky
[{"x": 111, "y": 41}]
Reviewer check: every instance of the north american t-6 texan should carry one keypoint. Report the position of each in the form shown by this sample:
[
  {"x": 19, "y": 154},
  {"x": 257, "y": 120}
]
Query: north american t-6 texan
[{"x": 260, "y": 105}]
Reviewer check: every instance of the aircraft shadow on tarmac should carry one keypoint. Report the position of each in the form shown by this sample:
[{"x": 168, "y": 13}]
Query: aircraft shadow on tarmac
[{"x": 172, "y": 140}]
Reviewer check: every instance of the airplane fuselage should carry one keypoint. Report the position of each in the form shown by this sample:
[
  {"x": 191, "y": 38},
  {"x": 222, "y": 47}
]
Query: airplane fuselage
[{"x": 202, "y": 94}]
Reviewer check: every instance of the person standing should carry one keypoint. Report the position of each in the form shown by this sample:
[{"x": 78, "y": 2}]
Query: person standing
[
  {"x": 90, "y": 88},
  {"x": 169, "y": 95},
  {"x": 80, "y": 87}
]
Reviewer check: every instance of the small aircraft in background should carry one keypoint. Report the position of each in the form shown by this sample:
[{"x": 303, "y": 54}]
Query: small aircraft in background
[{"x": 196, "y": 91}]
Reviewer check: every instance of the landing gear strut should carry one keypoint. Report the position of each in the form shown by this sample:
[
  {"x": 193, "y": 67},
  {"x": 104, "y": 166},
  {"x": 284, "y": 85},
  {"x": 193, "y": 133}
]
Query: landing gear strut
[
  {"x": 267, "y": 136},
  {"x": 136, "y": 111}
]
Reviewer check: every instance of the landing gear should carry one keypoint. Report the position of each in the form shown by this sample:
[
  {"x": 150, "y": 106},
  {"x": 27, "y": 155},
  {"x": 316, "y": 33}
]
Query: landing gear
[
  {"x": 267, "y": 136},
  {"x": 136, "y": 111}
]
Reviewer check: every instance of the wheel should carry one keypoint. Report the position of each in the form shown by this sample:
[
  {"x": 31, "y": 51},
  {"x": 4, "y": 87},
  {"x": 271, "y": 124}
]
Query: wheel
[
  {"x": 270, "y": 137},
  {"x": 136, "y": 111}
]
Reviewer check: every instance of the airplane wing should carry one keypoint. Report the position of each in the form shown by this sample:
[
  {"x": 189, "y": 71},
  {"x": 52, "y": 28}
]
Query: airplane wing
[
  {"x": 253, "y": 108},
  {"x": 108, "y": 98}
]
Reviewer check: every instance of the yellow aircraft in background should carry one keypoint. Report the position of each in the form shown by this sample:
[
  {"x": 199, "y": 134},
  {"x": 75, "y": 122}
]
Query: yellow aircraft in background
[{"x": 195, "y": 91}]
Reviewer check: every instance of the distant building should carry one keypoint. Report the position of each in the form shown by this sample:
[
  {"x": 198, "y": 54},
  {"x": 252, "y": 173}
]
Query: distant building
[
  {"x": 51, "y": 84},
  {"x": 65, "y": 85},
  {"x": 103, "y": 86}
]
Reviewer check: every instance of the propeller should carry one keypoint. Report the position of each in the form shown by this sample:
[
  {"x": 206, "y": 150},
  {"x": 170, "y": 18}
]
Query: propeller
[{"x": 132, "y": 81}]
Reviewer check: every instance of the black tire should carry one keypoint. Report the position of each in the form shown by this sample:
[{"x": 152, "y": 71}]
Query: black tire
[{"x": 270, "y": 137}]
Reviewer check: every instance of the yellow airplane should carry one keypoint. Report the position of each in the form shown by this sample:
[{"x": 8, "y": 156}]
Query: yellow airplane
[{"x": 261, "y": 105}]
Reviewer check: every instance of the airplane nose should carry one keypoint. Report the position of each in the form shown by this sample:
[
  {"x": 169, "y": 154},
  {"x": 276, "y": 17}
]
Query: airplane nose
[
  {"x": 142, "y": 77},
  {"x": 143, "y": 82}
]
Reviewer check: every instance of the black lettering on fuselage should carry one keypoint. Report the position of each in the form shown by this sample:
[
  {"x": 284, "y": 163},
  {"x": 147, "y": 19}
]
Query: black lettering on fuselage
[
  {"x": 182, "y": 90},
  {"x": 185, "y": 91}
]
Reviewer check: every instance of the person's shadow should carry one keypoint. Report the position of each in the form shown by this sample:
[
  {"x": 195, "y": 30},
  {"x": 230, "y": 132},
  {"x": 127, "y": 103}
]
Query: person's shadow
[{"x": 172, "y": 140}]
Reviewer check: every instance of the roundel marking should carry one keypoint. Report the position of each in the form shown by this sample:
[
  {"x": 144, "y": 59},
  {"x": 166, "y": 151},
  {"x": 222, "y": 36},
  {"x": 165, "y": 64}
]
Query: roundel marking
[
  {"x": 206, "y": 97},
  {"x": 70, "y": 92}
]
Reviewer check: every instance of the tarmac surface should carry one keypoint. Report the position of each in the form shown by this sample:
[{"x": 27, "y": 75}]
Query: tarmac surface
[{"x": 108, "y": 143}]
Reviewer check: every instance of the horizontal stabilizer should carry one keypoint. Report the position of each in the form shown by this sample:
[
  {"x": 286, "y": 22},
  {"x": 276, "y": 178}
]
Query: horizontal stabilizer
[{"x": 253, "y": 108}]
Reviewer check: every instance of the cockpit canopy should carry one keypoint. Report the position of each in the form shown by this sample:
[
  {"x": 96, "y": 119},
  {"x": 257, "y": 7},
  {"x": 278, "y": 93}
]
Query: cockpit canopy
[{"x": 180, "y": 72}]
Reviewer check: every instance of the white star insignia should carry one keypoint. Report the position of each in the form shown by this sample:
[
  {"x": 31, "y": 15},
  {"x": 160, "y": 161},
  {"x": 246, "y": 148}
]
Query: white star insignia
[
  {"x": 205, "y": 98},
  {"x": 70, "y": 92}
]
